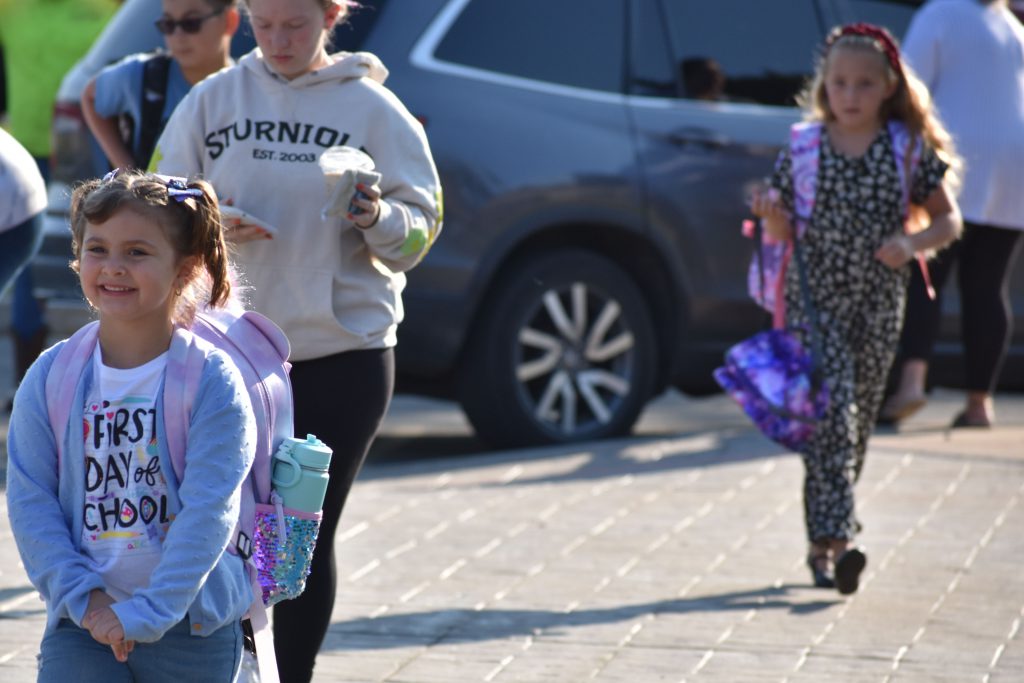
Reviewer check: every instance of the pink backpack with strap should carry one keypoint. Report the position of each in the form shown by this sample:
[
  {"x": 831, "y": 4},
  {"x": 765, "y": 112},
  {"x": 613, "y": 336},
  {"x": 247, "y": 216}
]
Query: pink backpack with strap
[
  {"x": 766, "y": 275},
  {"x": 277, "y": 543}
]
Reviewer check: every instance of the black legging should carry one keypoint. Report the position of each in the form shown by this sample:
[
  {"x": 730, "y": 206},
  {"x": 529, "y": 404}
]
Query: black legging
[
  {"x": 341, "y": 399},
  {"x": 985, "y": 257}
]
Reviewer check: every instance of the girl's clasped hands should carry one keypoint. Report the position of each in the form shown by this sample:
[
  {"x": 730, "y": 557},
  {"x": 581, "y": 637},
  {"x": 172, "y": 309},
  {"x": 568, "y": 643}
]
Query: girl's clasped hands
[{"x": 104, "y": 626}]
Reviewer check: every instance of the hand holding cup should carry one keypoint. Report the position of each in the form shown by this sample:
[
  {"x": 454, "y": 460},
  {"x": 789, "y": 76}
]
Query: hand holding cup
[{"x": 352, "y": 185}]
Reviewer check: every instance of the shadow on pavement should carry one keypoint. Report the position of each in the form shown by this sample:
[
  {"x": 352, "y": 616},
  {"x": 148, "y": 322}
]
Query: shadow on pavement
[
  {"x": 401, "y": 449},
  {"x": 637, "y": 455},
  {"x": 467, "y": 625},
  {"x": 11, "y": 599}
]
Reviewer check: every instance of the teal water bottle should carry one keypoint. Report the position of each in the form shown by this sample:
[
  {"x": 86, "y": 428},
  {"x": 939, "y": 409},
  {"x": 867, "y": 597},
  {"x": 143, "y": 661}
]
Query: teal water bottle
[{"x": 300, "y": 474}]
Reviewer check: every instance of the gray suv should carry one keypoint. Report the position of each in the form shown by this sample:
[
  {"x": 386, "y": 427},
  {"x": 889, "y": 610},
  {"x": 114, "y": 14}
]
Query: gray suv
[{"x": 595, "y": 156}]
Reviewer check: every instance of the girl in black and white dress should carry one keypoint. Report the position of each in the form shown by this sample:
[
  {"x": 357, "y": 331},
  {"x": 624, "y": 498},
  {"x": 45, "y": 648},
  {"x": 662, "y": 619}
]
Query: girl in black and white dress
[{"x": 858, "y": 257}]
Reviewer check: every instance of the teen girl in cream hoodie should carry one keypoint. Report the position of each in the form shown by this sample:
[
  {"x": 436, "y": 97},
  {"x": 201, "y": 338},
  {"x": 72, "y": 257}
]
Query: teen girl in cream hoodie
[{"x": 255, "y": 131}]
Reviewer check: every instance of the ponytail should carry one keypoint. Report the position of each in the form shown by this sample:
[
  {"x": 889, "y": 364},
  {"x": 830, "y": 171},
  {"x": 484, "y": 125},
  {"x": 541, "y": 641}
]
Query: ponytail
[{"x": 206, "y": 241}]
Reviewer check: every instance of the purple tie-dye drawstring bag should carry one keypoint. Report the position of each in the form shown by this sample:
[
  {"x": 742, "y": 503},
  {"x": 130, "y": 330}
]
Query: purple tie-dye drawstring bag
[{"x": 775, "y": 379}]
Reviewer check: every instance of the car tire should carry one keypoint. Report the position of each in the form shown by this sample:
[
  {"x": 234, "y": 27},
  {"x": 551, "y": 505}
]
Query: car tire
[{"x": 565, "y": 351}]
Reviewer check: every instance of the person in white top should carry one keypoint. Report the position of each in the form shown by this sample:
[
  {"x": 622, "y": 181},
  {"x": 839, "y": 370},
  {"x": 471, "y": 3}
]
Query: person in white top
[
  {"x": 970, "y": 54},
  {"x": 22, "y": 201}
]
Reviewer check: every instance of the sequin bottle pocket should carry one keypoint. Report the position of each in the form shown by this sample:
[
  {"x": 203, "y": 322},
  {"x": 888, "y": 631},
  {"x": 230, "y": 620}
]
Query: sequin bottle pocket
[{"x": 283, "y": 543}]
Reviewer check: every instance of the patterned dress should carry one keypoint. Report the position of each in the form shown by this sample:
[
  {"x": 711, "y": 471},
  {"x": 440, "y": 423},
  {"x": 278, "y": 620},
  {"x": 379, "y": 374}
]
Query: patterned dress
[{"x": 860, "y": 304}]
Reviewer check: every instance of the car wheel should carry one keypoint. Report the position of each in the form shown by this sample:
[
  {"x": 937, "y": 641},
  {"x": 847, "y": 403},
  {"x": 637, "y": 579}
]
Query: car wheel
[{"x": 565, "y": 351}]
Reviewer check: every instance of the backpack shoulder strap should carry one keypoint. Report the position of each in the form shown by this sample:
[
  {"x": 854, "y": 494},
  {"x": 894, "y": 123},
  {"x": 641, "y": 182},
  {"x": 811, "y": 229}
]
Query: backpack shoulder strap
[
  {"x": 154, "y": 96},
  {"x": 907, "y": 150},
  {"x": 63, "y": 378},
  {"x": 804, "y": 150},
  {"x": 808, "y": 128},
  {"x": 186, "y": 358},
  {"x": 260, "y": 351}
]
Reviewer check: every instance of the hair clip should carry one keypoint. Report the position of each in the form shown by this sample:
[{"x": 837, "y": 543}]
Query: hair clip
[
  {"x": 178, "y": 189},
  {"x": 111, "y": 175}
]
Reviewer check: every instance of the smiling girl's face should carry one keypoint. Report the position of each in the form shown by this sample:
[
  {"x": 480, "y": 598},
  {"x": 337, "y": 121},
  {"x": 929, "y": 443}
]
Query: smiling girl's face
[{"x": 130, "y": 271}]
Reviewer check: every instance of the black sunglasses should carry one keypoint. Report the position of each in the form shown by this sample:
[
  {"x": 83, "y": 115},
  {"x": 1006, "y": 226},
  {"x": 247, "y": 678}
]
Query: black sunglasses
[{"x": 188, "y": 25}]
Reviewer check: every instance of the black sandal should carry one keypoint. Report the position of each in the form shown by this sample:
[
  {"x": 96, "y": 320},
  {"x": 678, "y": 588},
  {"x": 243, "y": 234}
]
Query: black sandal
[
  {"x": 848, "y": 568},
  {"x": 821, "y": 576}
]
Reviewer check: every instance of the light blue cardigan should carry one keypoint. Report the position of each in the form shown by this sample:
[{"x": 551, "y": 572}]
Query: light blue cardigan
[{"x": 196, "y": 575}]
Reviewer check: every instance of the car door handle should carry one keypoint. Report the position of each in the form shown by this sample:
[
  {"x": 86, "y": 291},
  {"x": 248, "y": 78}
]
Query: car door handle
[{"x": 703, "y": 137}]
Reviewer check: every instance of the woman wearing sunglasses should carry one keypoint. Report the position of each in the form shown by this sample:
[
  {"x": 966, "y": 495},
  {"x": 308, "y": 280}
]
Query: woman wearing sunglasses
[{"x": 118, "y": 104}]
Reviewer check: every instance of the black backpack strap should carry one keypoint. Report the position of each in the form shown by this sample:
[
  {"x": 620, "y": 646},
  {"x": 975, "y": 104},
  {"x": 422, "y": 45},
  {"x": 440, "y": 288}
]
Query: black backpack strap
[{"x": 154, "y": 96}]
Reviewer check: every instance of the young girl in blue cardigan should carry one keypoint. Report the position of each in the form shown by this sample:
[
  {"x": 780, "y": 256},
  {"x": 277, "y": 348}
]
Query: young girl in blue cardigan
[{"x": 131, "y": 562}]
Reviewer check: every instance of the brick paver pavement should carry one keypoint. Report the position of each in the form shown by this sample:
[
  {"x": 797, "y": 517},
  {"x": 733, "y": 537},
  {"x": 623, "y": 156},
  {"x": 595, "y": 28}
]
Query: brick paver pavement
[{"x": 676, "y": 555}]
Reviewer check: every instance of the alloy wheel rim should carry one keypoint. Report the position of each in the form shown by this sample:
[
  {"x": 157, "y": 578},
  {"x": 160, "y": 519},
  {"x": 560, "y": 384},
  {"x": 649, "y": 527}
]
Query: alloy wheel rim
[{"x": 574, "y": 360}]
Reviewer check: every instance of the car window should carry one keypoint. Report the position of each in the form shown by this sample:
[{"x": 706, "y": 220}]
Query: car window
[
  {"x": 736, "y": 50},
  {"x": 243, "y": 41},
  {"x": 569, "y": 42},
  {"x": 351, "y": 35},
  {"x": 650, "y": 64},
  {"x": 895, "y": 15}
]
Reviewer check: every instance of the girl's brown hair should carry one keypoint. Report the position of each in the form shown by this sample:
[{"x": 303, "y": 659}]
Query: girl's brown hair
[
  {"x": 910, "y": 103},
  {"x": 187, "y": 211}
]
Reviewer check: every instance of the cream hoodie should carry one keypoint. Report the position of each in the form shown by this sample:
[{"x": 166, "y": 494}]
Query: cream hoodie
[{"x": 256, "y": 137}]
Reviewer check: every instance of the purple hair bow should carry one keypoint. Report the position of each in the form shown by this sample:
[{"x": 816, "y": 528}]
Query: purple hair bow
[{"x": 177, "y": 187}]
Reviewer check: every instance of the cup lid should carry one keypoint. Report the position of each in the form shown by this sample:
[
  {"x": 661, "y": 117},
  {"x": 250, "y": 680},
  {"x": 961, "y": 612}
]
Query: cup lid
[{"x": 342, "y": 158}]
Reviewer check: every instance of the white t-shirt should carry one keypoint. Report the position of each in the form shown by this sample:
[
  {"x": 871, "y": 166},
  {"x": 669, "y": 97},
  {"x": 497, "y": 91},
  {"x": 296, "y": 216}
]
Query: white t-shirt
[
  {"x": 22, "y": 192},
  {"x": 126, "y": 514},
  {"x": 971, "y": 57}
]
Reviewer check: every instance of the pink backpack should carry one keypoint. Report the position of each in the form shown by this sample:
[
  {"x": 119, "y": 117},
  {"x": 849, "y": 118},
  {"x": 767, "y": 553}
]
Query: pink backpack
[
  {"x": 766, "y": 275},
  {"x": 277, "y": 543}
]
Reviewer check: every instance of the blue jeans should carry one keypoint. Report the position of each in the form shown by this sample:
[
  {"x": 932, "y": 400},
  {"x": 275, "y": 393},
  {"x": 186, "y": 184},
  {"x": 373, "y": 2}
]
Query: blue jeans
[
  {"x": 18, "y": 246},
  {"x": 26, "y": 313},
  {"x": 69, "y": 653}
]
